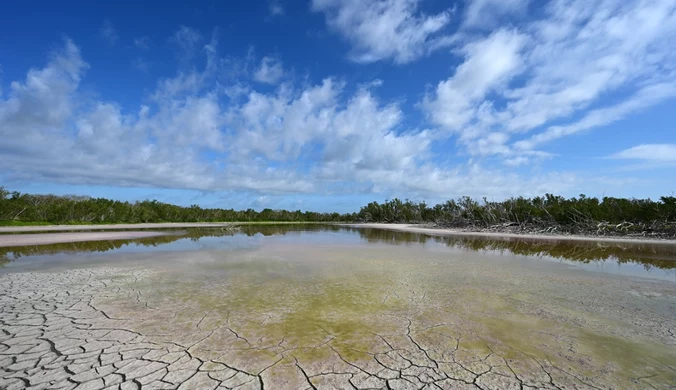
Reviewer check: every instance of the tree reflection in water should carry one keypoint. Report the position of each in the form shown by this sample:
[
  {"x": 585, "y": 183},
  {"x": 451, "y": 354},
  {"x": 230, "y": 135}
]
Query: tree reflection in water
[{"x": 649, "y": 255}]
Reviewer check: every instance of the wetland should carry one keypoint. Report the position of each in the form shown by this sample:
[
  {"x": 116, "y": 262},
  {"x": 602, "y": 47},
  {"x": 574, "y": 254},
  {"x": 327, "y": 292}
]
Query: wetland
[{"x": 335, "y": 307}]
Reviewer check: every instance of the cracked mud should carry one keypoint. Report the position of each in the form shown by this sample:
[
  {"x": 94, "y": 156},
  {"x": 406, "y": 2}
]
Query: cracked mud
[{"x": 302, "y": 315}]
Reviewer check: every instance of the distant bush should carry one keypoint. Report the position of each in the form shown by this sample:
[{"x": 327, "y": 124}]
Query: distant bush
[
  {"x": 547, "y": 213},
  {"x": 18, "y": 208}
]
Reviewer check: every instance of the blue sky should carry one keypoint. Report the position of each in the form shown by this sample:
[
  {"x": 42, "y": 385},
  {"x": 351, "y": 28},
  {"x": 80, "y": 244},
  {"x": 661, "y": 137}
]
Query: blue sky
[{"x": 329, "y": 104}]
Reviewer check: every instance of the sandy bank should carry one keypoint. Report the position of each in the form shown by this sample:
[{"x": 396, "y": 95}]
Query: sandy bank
[
  {"x": 450, "y": 232},
  {"x": 59, "y": 228},
  {"x": 56, "y": 238}
]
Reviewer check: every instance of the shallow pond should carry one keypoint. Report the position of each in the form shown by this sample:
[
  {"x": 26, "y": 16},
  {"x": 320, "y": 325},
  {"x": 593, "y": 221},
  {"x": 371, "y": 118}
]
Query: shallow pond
[{"x": 312, "y": 306}]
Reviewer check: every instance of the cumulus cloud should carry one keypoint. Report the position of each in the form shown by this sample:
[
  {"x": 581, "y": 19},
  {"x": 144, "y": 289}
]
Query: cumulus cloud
[
  {"x": 44, "y": 101},
  {"x": 649, "y": 152},
  {"x": 49, "y": 137},
  {"x": 385, "y": 29},
  {"x": 351, "y": 137},
  {"x": 270, "y": 71},
  {"x": 514, "y": 90},
  {"x": 316, "y": 138}
]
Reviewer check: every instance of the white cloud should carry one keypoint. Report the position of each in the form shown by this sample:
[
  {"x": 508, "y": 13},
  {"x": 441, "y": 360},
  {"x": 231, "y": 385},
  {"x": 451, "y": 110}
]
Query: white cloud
[
  {"x": 582, "y": 51},
  {"x": 385, "y": 29},
  {"x": 311, "y": 139},
  {"x": 43, "y": 102},
  {"x": 207, "y": 128},
  {"x": 183, "y": 83},
  {"x": 50, "y": 138},
  {"x": 516, "y": 161},
  {"x": 357, "y": 136},
  {"x": 141, "y": 65},
  {"x": 579, "y": 66},
  {"x": 142, "y": 42},
  {"x": 488, "y": 64},
  {"x": 642, "y": 99},
  {"x": 188, "y": 40},
  {"x": 270, "y": 71},
  {"x": 474, "y": 180},
  {"x": 553, "y": 77},
  {"x": 275, "y": 9},
  {"x": 649, "y": 152},
  {"x": 486, "y": 13},
  {"x": 108, "y": 32}
]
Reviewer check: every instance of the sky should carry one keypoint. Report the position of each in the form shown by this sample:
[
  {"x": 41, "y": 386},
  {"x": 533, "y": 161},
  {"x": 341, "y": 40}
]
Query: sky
[{"x": 327, "y": 105}]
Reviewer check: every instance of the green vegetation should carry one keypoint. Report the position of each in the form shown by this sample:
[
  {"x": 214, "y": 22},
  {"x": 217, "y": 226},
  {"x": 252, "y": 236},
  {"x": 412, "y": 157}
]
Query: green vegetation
[
  {"x": 17, "y": 209},
  {"x": 23, "y": 223},
  {"x": 546, "y": 214}
]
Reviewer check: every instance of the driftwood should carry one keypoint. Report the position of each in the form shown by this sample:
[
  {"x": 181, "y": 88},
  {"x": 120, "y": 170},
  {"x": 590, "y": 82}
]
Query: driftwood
[{"x": 666, "y": 230}]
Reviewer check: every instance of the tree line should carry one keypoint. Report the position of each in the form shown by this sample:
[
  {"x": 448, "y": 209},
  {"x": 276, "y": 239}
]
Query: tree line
[
  {"x": 17, "y": 208},
  {"x": 547, "y": 214},
  {"x": 542, "y": 214}
]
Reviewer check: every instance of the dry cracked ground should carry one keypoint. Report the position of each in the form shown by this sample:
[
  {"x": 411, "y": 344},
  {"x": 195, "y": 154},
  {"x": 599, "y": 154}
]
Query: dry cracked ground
[{"x": 285, "y": 316}]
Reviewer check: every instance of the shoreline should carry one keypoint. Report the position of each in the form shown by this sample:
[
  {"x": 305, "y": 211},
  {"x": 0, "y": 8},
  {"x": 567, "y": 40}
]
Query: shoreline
[
  {"x": 10, "y": 240},
  {"x": 40, "y": 235},
  {"x": 120, "y": 226},
  {"x": 413, "y": 228}
]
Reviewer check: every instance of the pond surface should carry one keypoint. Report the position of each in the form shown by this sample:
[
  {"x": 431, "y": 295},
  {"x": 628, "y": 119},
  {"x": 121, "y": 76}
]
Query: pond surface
[
  {"x": 312, "y": 306},
  {"x": 643, "y": 260}
]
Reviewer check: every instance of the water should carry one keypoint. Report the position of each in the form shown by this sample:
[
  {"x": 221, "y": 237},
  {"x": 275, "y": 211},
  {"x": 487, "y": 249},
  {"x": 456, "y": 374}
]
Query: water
[
  {"x": 647, "y": 260},
  {"x": 338, "y": 307}
]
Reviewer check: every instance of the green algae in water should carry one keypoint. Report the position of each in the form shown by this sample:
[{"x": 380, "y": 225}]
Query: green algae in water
[{"x": 313, "y": 310}]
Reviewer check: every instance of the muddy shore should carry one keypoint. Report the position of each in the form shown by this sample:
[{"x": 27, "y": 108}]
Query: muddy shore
[
  {"x": 310, "y": 311},
  {"x": 121, "y": 226},
  {"x": 427, "y": 229}
]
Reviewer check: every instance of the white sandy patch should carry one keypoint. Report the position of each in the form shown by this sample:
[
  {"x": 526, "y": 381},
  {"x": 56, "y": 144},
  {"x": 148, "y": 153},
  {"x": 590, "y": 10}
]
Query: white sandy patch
[
  {"x": 55, "y": 238},
  {"x": 57, "y": 228},
  {"x": 451, "y": 232}
]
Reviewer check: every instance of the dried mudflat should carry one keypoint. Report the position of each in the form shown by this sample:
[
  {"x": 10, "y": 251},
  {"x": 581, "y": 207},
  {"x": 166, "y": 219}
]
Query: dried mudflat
[{"x": 332, "y": 310}]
